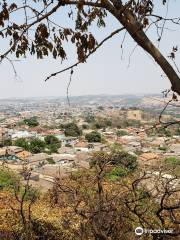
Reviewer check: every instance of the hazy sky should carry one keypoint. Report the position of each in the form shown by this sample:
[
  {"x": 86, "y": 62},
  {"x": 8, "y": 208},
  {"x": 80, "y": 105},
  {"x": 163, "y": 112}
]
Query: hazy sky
[{"x": 105, "y": 72}]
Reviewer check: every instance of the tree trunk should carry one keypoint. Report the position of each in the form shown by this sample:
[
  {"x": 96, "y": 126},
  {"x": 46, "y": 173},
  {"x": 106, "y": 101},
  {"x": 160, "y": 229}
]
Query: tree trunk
[{"x": 134, "y": 28}]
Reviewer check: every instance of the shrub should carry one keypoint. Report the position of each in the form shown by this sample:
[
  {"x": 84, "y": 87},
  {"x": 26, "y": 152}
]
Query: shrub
[
  {"x": 173, "y": 161},
  {"x": 163, "y": 148},
  {"x": 31, "y": 122},
  {"x": 121, "y": 133},
  {"x": 7, "y": 178},
  {"x": 36, "y": 145},
  {"x": 93, "y": 136},
  {"x": 51, "y": 161},
  {"x": 116, "y": 158},
  {"x": 71, "y": 129},
  {"x": 51, "y": 139},
  {"x": 124, "y": 159},
  {"x": 116, "y": 173}
]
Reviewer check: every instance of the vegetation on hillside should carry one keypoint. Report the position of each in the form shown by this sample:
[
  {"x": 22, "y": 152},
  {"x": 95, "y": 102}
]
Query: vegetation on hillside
[
  {"x": 106, "y": 202},
  {"x": 31, "y": 122},
  {"x": 49, "y": 145}
]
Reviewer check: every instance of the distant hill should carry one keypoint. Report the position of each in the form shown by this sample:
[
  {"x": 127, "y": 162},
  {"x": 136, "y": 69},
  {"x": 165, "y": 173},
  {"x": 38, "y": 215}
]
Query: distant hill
[{"x": 139, "y": 101}]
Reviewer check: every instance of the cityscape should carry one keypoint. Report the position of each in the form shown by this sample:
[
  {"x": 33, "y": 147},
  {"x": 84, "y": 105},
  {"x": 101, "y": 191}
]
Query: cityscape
[{"x": 55, "y": 139}]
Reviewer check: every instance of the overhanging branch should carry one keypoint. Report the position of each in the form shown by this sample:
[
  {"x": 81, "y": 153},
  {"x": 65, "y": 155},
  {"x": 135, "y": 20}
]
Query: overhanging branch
[{"x": 94, "y": 50}]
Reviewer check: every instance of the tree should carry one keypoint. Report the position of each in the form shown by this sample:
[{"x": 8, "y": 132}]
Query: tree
[
  {"x": 111, "y": 210},
  {"x": 7, "y": 178},
  {"x": 116, "y": 157},
  {"x": 124, "y": 159},
  {"x": 33, "y": 145},
  {"x": 71, "y": 129},
  {"x": 87, "y": 205},
  {"x": 90, "y": 118},
  {"x": 22, "y": 142},
  {"x": 135, "y": 17},
  {"x": 121, "y": 133},
  {"x": 85, "y": 126},
  {"x": 31, "y": 122},
  {"x": 101, "y": 123},
  {"x": 93, "y": 136},
  {"x": 51, "y": 139},
  {"x": 36, "y": 146},
  {"x": 52, "y": 143},
  {"x": 101, "y": 108}
]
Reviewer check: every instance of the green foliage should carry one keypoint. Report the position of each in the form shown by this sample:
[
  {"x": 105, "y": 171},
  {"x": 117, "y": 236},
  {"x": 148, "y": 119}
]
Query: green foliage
[
  {"x": 173, "y": 161},
  {"x": 71, "y": 129},
  {"x": 116, "y": 147},
  {"x": 85, "y": 126},
  {"x": 93, "y": 136},
  {"x": 163, "y": 148},
  {"x": 7, "y": 178},
  {"x": 31, "y": 122},
  {"x": 121, "y": 133},
  {"x": 107, "y": 122},
  {"x": 90, "y": 118},
  {"x": 101, "y": 123},
  {"x": 34, "y": 145},
  {"x": 177, "y": 132},
  {"x": 76, "y": 175},
  {"x": 68, "y": 145},
  {"x": 138, "y": 152},
  {"x": 116, "y": 173},
  {"x": 50, "y": 160},
  {"x": 52, "y": 148},
  {"x": 98, "y": 158},
  {"x": 6, "y": 142},
  {"x": 124, "y": 159},
  {"x": 52, "y": 143},
  {"x": 51, "y": 139},
  {"x": 29, "y": 193},
  {"x": 96, "y": 125},
  {"x": 129, "y": 123},
  {"x": 22, "y": 142},
  {"x": 116, "y": 157},
  {"x": 164, "y": 132},
  {"x": 37, "y": 146},
  {"x": 161, "y": 132},
  {"x": 101, "y": 108}
]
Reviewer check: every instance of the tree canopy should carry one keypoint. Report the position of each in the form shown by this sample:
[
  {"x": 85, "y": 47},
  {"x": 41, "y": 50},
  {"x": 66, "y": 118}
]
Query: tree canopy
[
  {"x": 93, "y": 136},
  {"x": 31, "y": 122},
  {"x": 71, "y": 129},
  {"x": 37, "y": 32}
]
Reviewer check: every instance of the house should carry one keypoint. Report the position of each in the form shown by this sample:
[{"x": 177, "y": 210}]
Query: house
[
  {"x": 3, "y": 151},
  {"x": 149, "y": 159},
  {"x": 82, "y": 146},
  {"x": 38, "y": 159},
  {"x": 132, "y": 146},
  {"x": 99, "y": 146},
  {"x": 4, "y": 134},
  {"x": 56, "y": 132},
  {"x": 63, "y": 158},
  {"x": 13, "y": 150},
  {"x": 158, "y": 142},
  {"x": 9, "y": 153},
  {"x": 24, "y": 155},
  {"x": 134, "y": 114},
  {"x": 64, "y": 149},
  {"x": 69, "y": 141},
  {"x": 23, "y": 134},
  {"x": 175, "y": 148}
]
